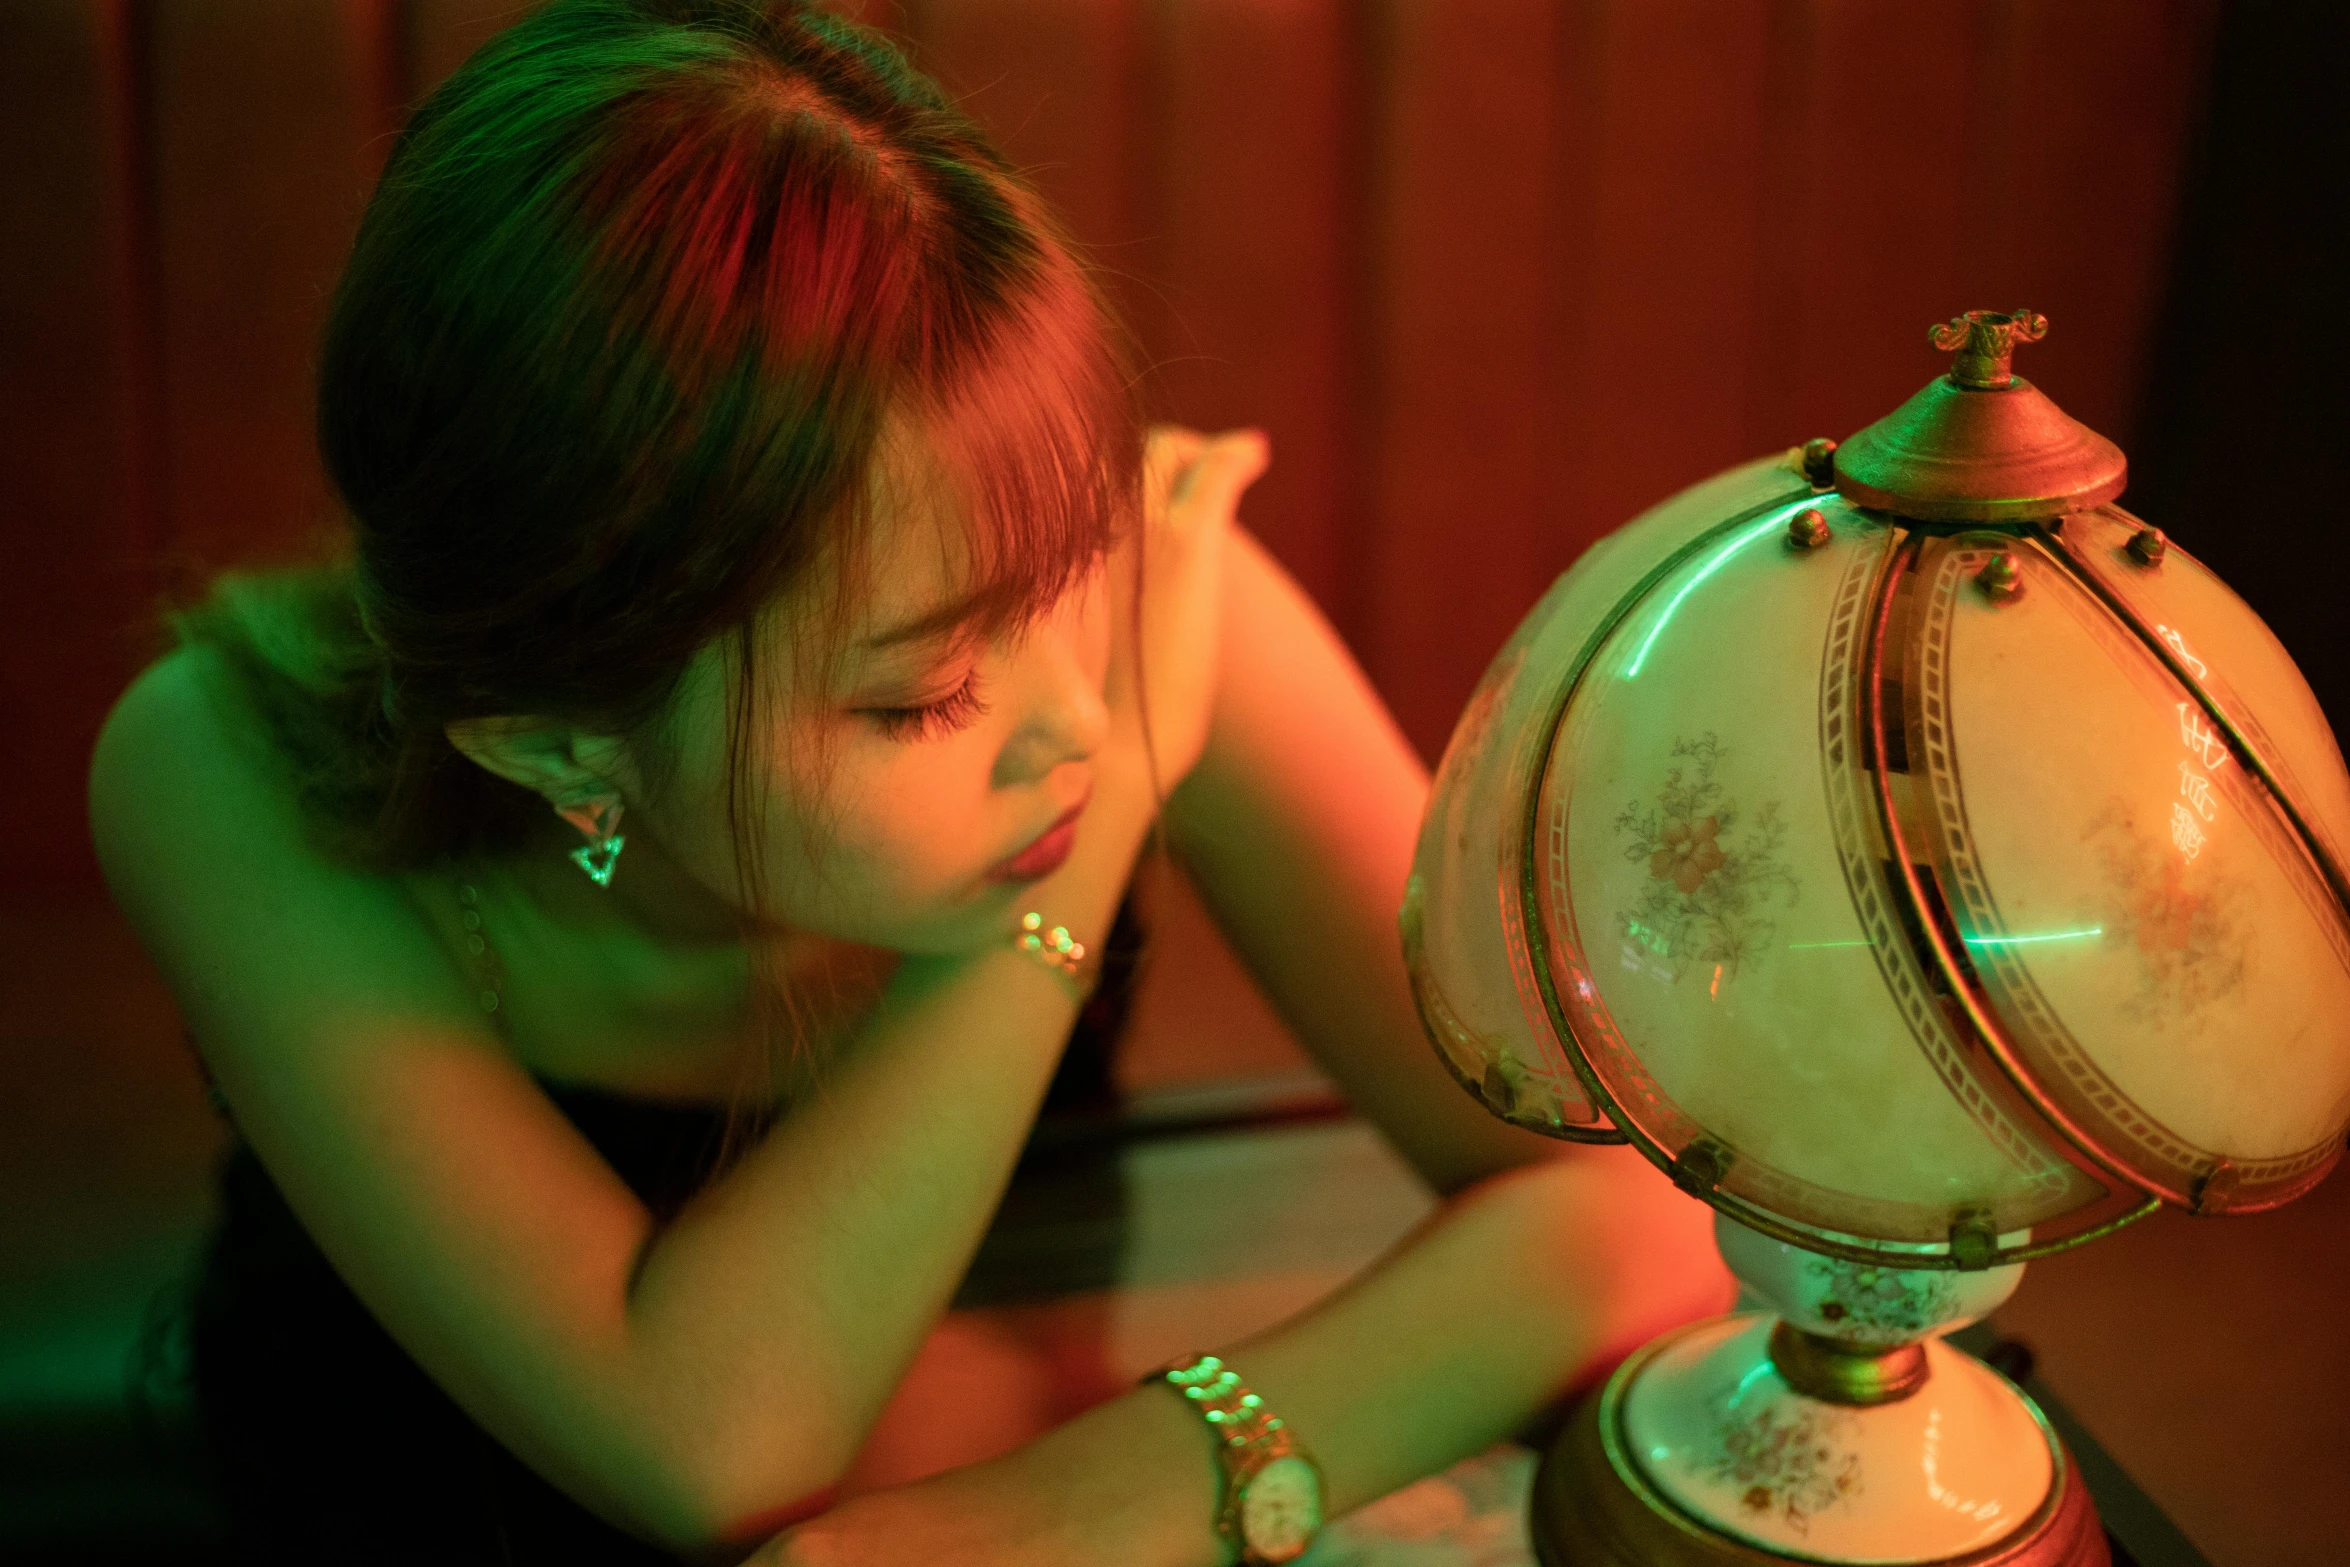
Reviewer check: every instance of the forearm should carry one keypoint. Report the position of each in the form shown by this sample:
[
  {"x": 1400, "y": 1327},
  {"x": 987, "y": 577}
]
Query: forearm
[
  {"x": 1298, "y": 828},
  {"x": 770, "y": 1321},
  {"x": 1521, "y": 1288},
  {"x": 1446, "y": 1348},
  {"x": 775, "y": 1316}
]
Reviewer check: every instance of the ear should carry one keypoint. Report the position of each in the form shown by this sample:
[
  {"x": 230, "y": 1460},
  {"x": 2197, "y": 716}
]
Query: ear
[{"x": 555, "y": 760}]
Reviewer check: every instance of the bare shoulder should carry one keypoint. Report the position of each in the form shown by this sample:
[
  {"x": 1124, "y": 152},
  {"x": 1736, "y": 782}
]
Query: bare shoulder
[
  {"x": 183, "y": 773},
  {"x": 415, "y": 1149},
  {"x": 170, "y": 748},
  {"x": 202, "y": 838}
]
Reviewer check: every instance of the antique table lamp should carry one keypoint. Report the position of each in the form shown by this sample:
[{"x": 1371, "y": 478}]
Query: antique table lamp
[{"x": 1930, "y": 867}]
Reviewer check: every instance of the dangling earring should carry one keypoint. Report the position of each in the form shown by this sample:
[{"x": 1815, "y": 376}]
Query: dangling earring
[{"x": 598, "y": 819}]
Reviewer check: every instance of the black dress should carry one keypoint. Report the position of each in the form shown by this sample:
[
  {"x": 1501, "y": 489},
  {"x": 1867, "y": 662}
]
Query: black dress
[{"x": 330, "y": 1444}]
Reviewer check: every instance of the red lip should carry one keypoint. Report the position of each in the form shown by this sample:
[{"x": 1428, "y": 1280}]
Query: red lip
[{"x": 1045, "y": 853}]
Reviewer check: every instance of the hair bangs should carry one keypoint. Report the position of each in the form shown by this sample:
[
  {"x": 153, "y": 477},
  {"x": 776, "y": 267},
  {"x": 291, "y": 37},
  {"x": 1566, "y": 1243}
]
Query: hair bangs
[{"x": 1038, "y": 440}]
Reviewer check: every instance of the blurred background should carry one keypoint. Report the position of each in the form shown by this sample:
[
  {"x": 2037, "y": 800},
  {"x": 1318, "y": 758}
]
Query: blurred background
[{"x": 1494, "y": 275}]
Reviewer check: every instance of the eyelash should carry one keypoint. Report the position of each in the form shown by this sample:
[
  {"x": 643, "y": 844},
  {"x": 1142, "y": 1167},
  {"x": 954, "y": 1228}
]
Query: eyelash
[{"x": 930, "y": 720}]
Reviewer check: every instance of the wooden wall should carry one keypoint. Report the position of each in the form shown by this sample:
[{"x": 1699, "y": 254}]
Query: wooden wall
[{"x": 1494, "y": 274}]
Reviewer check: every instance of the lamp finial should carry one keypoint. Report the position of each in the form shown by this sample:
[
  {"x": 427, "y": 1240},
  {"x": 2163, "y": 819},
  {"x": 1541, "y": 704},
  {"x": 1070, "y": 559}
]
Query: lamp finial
[{"x": 1984, "y": 341}]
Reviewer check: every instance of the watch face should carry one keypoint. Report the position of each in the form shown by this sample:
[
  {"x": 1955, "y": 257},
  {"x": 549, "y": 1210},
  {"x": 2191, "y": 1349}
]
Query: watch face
[{"x": 1281, "y": 1509}]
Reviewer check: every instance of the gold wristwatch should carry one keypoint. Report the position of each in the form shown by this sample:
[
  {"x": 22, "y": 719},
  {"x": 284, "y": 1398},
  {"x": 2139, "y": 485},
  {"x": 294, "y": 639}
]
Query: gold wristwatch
[{"x": 1272, "y": 1506}]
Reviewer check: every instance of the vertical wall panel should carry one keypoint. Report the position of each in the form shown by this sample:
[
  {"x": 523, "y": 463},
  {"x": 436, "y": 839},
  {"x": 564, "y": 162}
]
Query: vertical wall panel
[
  {"x": 261, "y": 127},
  {"x": 1255, "y": 263},
  {"x": 443, "y": 32},
  {"x": 1462, "y": 446},
  {"x": 2098, "y": 96},
  {"x": 380, "y": 45},
  {"x": 1966, "y": 154},
  {"x": 71, "y": 533},
  {"x": 1864, "y": 196},
  {"x": 1662, "y": 336}
]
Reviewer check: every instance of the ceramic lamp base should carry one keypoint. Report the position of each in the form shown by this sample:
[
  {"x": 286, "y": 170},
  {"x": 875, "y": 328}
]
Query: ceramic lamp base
[{"x": 1596, "y": 1503}]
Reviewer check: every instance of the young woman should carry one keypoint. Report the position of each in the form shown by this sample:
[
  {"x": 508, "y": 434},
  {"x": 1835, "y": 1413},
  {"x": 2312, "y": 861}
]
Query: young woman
[{"x": 761, "y": 598}]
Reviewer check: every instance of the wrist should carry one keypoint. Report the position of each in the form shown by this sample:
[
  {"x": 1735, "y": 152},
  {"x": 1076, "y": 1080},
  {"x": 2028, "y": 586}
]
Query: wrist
[
  {"x": 1271, "y": 1506},
  {"x": 1140, "y": 1482}
]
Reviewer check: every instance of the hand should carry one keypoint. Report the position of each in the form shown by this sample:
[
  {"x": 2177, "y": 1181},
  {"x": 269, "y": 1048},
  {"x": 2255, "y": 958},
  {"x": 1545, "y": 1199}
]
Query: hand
[
  {"x": 1192, "y": 484},
  {"x": 980, "y": 1516},
  {"x": 1131, "y": 1480}
]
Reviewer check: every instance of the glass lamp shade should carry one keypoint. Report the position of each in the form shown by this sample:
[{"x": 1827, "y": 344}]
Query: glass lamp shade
[{"x": 1931, "y": 891}]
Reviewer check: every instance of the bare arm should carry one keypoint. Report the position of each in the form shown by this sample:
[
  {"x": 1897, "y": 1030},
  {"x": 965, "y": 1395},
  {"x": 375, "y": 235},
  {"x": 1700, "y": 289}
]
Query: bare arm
[
  {"x": 685, "y": 1381},
  {"x": 1298, "y": 827},
  {"x": 1546, "y": 1263},
  {"x": 696, "y": 1381},
  {"x": 1519, "y": 1288}
]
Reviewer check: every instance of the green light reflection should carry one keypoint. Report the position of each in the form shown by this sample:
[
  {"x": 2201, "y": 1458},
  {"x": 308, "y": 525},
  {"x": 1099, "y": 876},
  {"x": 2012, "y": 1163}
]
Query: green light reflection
[
  {"x": 1713, "y": 563},
  {"x": 1972, "y": 941},
  {"x": 2023, "y": 941}
]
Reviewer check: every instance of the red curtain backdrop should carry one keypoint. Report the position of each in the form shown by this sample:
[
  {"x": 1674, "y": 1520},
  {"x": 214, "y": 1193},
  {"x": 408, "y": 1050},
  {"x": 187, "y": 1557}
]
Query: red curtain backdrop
[{"x": 1494, "y": 274}]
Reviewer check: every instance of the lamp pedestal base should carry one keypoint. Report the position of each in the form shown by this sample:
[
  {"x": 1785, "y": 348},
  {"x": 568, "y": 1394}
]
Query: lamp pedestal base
[{"x": 1697, "y": 1454}]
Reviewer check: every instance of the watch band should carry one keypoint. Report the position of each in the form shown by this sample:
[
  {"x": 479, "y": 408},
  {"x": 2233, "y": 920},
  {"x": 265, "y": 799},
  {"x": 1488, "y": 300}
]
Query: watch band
[{"x": 1250, "y": 1439}]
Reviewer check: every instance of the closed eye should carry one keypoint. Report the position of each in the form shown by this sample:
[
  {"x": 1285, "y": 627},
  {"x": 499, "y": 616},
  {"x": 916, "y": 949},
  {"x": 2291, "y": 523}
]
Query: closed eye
[{"x": 958, "y": 709}]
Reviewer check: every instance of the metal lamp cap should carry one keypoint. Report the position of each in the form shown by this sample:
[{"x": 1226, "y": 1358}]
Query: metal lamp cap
[{"x": 1981, "y": 444}]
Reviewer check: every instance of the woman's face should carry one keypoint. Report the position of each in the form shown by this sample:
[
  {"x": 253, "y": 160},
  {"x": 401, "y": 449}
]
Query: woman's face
[{"x": 914, "y": 783}]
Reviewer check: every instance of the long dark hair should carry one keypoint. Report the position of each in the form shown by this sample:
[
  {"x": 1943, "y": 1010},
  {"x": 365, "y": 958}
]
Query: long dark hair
[{"x": 642, "y": 288}]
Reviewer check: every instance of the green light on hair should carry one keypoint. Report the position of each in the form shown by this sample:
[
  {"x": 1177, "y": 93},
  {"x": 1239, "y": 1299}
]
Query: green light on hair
[{"x": 1713, "y": 563}]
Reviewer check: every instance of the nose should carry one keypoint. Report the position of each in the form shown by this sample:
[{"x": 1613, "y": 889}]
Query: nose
[{"x": 1063, "y": 718}]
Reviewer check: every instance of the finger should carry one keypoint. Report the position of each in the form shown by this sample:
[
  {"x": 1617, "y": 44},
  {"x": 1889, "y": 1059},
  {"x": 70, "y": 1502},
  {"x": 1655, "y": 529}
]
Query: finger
[
  {"x": 1224, "y": 468},
  {"x": 1172, "y": 447},
  {"x": 1167, "y": 456}
]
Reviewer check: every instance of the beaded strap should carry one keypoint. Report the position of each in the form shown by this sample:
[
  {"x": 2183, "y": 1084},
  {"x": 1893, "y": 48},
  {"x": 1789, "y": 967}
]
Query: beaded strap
[
  {"x": 489, "y": 967},
  {"x": 1251, "y": 1440},
  {"x": 1236, "y": 1415},
  {"x": 1057, "y": 950}
]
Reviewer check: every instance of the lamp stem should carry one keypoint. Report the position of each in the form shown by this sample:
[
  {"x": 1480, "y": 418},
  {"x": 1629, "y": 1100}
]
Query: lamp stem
[{"x": 1836, "y": 1371}]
